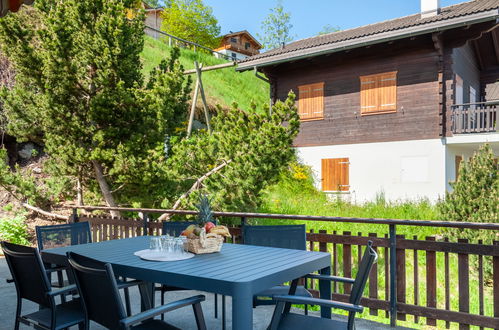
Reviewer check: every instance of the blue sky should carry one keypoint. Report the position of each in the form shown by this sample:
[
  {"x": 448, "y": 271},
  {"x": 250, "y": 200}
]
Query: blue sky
[{"x": 309, "y": 16}]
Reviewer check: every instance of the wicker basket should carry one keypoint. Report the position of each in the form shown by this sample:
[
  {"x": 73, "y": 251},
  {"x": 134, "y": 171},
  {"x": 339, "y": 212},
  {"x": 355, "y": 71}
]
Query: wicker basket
[{"x": 205, "y": 244}]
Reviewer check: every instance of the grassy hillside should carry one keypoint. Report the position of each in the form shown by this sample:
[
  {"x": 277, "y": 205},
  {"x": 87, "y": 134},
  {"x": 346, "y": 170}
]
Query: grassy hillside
[{"x": 223, "y": 86}]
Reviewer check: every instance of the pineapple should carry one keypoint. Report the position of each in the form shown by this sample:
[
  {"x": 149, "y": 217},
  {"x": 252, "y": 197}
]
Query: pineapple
[{"x": 205, "y": 212}]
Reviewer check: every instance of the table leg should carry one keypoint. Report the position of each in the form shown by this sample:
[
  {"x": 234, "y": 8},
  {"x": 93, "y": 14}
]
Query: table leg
[
  {"x": 325, "y": 292},
  {"x": 146, "y": 290},
  {"x": 242, "y": 312}
]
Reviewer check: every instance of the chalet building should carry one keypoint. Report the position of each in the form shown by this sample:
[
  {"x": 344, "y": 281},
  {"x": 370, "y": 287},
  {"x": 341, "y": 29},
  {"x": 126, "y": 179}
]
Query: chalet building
[
  {"x": 239, "y": 45},
  {"x": 393, "y": 107},
  {"x": 153, "y": 18}
]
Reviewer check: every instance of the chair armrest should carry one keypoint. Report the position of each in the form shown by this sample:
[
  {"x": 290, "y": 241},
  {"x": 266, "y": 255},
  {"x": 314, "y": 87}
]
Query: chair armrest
[
  {"x": 330, "y": 278},
  {"x": 150, "y": 313},
  {"x": 127, "y": 284},
  {"x": 319, "y": 302},
  {"x": 64, "y": 290}
]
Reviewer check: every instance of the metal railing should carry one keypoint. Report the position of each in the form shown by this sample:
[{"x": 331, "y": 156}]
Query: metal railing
[
  {"x": 174, "y": 40},
  {"x": 395, "y": 251},
  {"x": 480, "y": 117}
]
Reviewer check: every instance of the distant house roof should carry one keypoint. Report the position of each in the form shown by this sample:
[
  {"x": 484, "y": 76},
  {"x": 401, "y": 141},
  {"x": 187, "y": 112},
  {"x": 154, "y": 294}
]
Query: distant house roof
[
  {"x": 232, "y": 34},
  {"x": 457, "y": 15}
]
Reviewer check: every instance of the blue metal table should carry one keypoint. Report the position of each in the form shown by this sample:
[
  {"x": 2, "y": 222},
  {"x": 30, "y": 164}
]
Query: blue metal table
[{"x": 238, "y": 270}]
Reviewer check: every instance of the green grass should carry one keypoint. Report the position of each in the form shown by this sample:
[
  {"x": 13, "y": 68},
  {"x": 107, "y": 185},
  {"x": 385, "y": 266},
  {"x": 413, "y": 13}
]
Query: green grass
[
  {"x": 223, "y": 86},
  {"x": 295, "y": 194}
]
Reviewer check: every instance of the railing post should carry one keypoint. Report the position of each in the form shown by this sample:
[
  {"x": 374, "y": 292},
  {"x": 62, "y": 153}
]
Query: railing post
[
  {"x": 146, "y": 224},
  {"x": 393, "y": 276},
  {"x": 243, "y": 223},
  {"x": 74, "y": 216}
]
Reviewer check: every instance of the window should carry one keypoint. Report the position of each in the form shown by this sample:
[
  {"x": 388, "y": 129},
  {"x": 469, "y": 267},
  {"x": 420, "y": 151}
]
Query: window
[
  {"x": 234, "y": 56},
  {"x": 335, "y": 176},
  {"x": 378, "y": 93},
  {"x": 247, "y": 45},
  {"x": 311, "y": 101},
  {"x": 234, "y": 40}
]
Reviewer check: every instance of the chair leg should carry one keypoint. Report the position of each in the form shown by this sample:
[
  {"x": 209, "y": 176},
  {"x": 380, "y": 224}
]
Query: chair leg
[
  {"x": 60, "y": 282},
  {"x": 198, "y": 314},
  {"x": 276, "y": 317},
  {"x": 223, "y": 313},
  {"x": 127, "y": 302},
  {"x": 162, "y": 302},
  {"x": 306, "y": 309},
  {"x": 216, "y": 306},
  {"x": 18, "y": 313}
]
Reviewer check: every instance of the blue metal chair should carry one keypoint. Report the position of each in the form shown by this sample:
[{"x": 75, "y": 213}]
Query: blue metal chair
[
  {"x": 283, "y": 319},
  {"x": 102, "y": 303},
  {"x": 61, "y": 235},
  {"x": 286, "y": 237},
  {"x": 67, "y": 234},
  {"x": 32, "y": 283}
]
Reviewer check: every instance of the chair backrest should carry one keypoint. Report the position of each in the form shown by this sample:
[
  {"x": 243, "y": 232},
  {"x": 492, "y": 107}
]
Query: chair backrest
[
  {"x": 63, "y": 235},
  {"x": 369, "y": 258},
  {"x": 174, "y": 228},
  {"x": 28, "y": 272},
  {"x": 286, "y": 236},
  {"x": 97, "y": 286}
]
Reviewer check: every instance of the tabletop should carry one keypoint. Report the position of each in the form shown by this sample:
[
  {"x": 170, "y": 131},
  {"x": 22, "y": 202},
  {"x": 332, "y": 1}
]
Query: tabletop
[{"x": 255, "y": 267}]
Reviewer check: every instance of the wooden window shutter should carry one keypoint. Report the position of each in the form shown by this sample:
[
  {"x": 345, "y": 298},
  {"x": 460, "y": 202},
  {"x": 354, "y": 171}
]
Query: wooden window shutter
[
  {"x": 311, "y": 101},
  {"x": 378, "y": 93},
  {"x": 335, "y": 174},
  {"x": 387, "y": 85}
]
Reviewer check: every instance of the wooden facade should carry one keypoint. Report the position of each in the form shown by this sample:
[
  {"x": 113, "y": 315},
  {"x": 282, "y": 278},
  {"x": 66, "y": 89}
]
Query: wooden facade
[
  {"x": 418, "y": 107},
  {"x": 240, "y": 42}
]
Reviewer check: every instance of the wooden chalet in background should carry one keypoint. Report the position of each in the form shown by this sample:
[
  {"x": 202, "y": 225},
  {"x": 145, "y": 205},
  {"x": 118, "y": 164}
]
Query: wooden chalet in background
[
  {"x": 239, "y": 45},
  {"x": 393, "y": 107}
]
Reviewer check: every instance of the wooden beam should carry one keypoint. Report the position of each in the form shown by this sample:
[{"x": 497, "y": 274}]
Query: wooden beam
[
  {"x": 213, "y": 67},
  {"x": 193, "y": 104},
  {"x": 203, "y": 97},
  {"x": 478, "y": 54},
  {"x": 495, "y": 40}
]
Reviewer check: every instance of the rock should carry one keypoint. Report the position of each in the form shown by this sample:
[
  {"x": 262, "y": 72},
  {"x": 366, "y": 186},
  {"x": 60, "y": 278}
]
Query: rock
[
  {"x": 26, "y": 151},
  {"x": 37, "y": 170}
]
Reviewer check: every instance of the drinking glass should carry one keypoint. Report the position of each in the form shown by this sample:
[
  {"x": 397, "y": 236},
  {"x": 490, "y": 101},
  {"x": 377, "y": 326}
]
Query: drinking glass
[{"x": 155, "y": 244}]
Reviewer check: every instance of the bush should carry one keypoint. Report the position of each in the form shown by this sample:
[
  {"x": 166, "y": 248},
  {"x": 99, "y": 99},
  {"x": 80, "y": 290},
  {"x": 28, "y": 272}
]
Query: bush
[
  {"x": 475, "y": 195},
  {"x": 476, "y": 191},
  {"x": 14, "y": 230}
]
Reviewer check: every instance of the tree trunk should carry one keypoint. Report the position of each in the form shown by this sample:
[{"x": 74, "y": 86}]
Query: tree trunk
[
  {"x": 104, "y": 187},
  {"x": 79, "y": 191}
]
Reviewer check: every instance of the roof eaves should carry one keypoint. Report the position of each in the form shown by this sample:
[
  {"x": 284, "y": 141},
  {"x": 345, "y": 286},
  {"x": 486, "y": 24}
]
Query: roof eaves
[{"x": 370, "y": 40}]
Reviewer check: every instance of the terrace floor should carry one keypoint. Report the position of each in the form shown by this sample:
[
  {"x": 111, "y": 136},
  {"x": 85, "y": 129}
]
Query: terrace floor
[{"x": 182, "y": 318}]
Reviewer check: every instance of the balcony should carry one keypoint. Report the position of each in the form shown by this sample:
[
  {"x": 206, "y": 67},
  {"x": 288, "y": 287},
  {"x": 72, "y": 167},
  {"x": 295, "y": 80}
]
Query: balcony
[{"x": 478, "y": 117}]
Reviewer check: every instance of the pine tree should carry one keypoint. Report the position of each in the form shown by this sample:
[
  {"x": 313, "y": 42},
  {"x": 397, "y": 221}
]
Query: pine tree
[
  {"x": 255, "y": 148},
  {"x": 79, "y": 88},
  {"x": 475, "y": 195}
]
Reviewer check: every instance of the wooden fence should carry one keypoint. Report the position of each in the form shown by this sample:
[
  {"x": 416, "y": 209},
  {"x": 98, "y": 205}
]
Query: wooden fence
[{"x": 451, "y": 280}]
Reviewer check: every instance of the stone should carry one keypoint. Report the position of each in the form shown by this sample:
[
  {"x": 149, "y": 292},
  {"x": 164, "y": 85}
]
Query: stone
[{"x": 26, "y": 151}]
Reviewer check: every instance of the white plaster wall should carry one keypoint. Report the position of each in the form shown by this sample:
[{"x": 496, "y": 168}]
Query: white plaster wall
[
  {"x": 227, "y": 52},
  {"x": 402, "y": 170}
]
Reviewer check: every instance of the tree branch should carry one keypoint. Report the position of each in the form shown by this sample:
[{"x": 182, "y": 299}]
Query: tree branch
[
  {"x": 194, "y": 187},
  {"x": 45, "y": 213}
]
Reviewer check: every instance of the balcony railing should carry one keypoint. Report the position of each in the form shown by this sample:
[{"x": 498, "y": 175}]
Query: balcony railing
[
  {"x": 478, "y": 117},
  {"x": 446, "y": 280}
]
